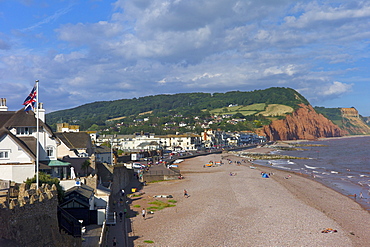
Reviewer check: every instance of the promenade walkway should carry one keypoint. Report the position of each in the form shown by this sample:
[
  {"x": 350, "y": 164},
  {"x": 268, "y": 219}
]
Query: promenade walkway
[{"x": 118, "y": 204}]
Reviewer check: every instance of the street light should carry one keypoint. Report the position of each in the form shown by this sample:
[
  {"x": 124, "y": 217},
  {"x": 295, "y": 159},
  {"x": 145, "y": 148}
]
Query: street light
[{"x": 111, "y": 150}]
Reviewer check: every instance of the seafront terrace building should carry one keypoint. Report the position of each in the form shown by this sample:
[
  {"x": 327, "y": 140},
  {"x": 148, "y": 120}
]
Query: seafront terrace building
[
  {"x": 148, "y": 142},
  {"x": 130, "y": 143},
  {"x": 217, "y": 138},
  {"x": 185, "y": 142},
  {"x": 141, "y": 142}
]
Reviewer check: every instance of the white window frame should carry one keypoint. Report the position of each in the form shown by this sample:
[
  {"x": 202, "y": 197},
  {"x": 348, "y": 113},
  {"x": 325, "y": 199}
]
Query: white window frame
[
  {"x": 24, "y": 131},
  {"x": 4, "y": 154}
]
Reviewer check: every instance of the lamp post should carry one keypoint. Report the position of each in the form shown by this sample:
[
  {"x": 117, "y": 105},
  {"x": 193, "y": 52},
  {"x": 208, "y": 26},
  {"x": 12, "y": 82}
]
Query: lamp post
[{"x": 111, "y": 150}]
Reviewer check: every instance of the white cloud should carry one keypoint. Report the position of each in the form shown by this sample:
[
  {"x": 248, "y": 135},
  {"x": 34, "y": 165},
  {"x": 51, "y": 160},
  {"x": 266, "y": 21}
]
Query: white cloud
[
  {"x": 336, "y": 88},
  {"x": 319, "y": 14},
  {"x": 169, "y": 46},
  {"x": 276, "y": 70}
]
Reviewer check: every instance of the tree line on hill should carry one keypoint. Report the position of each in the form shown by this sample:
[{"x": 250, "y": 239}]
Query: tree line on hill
[{"x": 166, "y": 108}]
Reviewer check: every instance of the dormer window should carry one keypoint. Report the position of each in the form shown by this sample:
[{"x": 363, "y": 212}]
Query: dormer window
[{"x": 24, "y": 131}]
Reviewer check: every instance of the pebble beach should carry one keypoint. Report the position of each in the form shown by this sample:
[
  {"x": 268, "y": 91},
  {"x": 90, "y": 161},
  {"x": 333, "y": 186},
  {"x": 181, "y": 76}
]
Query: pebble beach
[{"x": 244, "y": 209}]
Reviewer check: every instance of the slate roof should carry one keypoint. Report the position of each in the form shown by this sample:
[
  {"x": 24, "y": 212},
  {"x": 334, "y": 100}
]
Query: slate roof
[
  {"x": 20, "y": 118},
  {"x": 5, "y": 116},
  {"x": 102, "y": 149},
  {"x": 84, "y": 190},
  {"x": 30, "y": 142},
  {"x": 144, "y": 144},
  {"x": 74, "y": 140},
  {"x": 79, "y": 201}
]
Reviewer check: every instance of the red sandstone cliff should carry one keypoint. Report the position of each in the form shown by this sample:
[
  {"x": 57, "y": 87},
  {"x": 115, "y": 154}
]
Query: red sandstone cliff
[
  {"x": 303, "y": 124},
  {"x": 352, "y": 123}
]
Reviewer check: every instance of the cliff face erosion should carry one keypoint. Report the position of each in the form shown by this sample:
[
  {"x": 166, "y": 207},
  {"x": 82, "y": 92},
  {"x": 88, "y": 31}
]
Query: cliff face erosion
[
  {"x": 303, "y": 124},
  {"x": 352, "y": 122}
]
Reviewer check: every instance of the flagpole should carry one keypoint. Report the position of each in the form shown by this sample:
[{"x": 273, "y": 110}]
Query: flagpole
[{"x": 37, "y": 135}]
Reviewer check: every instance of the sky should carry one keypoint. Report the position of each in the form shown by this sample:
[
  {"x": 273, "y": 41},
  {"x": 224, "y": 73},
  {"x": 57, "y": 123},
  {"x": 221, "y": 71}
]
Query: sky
[{"x": 83, "y": 51}]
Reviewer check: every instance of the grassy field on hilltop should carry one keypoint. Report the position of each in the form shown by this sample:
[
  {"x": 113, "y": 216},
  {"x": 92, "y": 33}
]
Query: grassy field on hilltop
[
  {"x": 267, "y": 110},
  {"x": 245, "y": 110},
  {"x": 277, "y": 110}
]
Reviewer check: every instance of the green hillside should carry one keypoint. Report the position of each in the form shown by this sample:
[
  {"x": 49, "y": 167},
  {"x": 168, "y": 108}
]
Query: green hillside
[{"x": 186, "y": 104}]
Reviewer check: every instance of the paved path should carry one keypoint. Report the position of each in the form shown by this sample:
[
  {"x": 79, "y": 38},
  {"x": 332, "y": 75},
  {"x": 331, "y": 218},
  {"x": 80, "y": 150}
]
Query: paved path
[
  {"x": 121, "y": 229},
  {"x": 118, "y": 231}
]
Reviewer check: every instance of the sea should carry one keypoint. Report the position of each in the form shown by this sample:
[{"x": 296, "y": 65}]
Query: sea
[{"x": 342, "y": 164}]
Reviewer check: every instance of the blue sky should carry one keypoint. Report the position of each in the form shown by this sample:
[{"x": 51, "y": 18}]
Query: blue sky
[{"x": 94, "y": 50}]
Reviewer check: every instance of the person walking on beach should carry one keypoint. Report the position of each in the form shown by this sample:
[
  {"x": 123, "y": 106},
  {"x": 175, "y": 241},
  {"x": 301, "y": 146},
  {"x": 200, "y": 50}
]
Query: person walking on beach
[
  {"x": 143, "y": 213},
  {"x": 186, "y": 194}
]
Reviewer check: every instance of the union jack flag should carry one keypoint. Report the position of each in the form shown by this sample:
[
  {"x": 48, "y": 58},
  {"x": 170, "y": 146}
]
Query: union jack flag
[{"x": 30, "y": 101}]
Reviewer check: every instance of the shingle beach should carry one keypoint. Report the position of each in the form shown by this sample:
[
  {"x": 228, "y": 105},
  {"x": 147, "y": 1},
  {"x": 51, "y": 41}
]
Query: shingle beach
[{"x": 248, "y": 210}]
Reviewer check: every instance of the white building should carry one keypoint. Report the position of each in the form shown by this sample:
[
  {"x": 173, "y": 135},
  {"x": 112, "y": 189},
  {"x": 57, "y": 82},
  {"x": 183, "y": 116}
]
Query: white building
[
  {"x": 147, "y": 142},
  {"x": 18, "y": 140},
  {"x": 181, "y": 142}
]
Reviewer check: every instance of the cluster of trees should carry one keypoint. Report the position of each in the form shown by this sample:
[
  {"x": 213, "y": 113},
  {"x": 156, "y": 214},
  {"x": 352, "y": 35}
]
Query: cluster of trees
[{"x": 164, "y": 108}]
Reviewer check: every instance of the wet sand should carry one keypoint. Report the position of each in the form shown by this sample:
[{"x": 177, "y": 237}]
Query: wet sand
[{"x": 248, "y": 210}]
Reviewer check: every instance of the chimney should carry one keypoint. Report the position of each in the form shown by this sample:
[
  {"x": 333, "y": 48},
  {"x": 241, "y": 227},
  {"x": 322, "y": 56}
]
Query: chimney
[
  {"x": 41, "y": 112},
  {"x": 3, "y": 106}
]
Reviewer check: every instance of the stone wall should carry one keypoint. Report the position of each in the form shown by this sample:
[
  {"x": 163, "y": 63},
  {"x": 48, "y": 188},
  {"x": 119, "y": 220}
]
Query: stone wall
[
  {"x": 30, "y": 219},
  {"x": 151, "y": 178},
  {"x": 92, "y": 181},
  {"x": 122, "y": 177},
  {"x": 105, "y": 172}
]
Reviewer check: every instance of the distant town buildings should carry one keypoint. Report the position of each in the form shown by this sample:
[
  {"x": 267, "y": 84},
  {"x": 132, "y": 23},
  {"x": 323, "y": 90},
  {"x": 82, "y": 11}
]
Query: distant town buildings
[{"x": 186, "y": 142}]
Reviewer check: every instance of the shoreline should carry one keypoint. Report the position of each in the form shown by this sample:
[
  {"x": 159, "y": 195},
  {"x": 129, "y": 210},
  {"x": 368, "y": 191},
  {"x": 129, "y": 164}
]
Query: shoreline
[
  {"x": 261, "y": 208},
  {"x": 322, "y": 204},
  {"x": 344, "y": 189},
  {"x": 321, "y": 139},
  {"x": 354, "y": 218}
]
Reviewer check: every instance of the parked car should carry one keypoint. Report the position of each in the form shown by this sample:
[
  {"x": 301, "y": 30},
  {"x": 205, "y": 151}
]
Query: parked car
[
  {"x": 138, "y": 165},
  {"x": 178, "y": 161}
]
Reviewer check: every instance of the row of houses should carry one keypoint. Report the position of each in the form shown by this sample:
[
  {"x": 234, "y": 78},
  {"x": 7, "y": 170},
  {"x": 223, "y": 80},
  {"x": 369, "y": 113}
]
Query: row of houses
[
  {"x": 186, "y": 142},
  {"x": 58, "y": 150}
]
